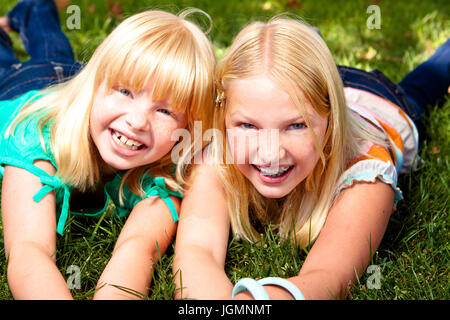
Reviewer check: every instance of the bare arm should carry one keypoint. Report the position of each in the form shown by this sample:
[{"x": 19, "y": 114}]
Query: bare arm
[
  {"x": 30, "y": 237},
  {"x": 148, "y": 228},
  {"x": 202, "y": 240},
  {"x": 353, "y": 230}
]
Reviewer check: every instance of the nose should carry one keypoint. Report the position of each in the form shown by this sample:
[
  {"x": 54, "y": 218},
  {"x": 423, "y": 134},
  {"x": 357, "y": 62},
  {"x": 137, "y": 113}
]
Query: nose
[
  {"x": 138, "y": 119},
  {"x": 270, "y": 151},
  {"x": 270, "y": 157}
]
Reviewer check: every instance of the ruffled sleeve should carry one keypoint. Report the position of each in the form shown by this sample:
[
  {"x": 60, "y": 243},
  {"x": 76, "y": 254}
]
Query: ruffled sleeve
[{"x": 370, "y": 170}]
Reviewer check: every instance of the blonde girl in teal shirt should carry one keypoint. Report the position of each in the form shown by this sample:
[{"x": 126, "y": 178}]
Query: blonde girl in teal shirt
[{"x": 107, "y": 129}]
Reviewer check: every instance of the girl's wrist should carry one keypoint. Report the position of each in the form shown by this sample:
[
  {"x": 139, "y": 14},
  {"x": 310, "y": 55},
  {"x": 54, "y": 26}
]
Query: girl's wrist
[
  {"x": 257, "y": 289},
  {"x": 244, "y": 296}
]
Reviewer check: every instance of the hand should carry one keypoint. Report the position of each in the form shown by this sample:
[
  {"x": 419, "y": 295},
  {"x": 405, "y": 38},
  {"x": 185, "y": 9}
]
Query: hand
[
  {"x": 4, "y": 24},
  {"x": 62, "y": 4}
]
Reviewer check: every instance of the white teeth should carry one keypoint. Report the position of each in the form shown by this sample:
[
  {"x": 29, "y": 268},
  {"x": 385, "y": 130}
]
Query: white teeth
[
  {"x": 273, "y": 172},
  {"x": 125, "y": 142}
]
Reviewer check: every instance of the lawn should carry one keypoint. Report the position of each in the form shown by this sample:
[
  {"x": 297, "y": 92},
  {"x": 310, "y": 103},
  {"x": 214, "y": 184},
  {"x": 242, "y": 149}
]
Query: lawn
[{"x": 413, "y": 258}]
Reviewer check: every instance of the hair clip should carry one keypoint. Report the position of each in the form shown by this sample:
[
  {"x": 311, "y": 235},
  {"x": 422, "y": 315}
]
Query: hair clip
[{"x": 220, "y": 100}]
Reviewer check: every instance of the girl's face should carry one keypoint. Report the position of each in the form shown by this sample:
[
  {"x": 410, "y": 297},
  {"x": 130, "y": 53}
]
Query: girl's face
[
  {"x": 130, "y": 129},
  {"x": 278, "y": 158}
]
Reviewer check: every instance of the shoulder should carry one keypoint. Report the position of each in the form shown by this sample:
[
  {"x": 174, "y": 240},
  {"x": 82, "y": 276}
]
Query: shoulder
[
  {"x": 29, "y": 141},
  {"x": 27, "y": 145},
  {"x": 22, "y": 99},
  {"x": 363, "y": 200},
  {"x": 9, "y": 109},
  {"x": 398, "y": 127},
  {"x": 370, "y": 170}
]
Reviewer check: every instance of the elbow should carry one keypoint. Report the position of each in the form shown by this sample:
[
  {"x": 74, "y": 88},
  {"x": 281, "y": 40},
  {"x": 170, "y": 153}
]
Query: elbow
[
  {"x": 24, "y": 250},
  {"x": 138, "y": 243},
  {"x": 23, "y": 258}
]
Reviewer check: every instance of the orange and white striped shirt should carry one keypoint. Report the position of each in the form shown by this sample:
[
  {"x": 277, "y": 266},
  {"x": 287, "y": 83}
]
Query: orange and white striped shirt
[{"x": 379, "y": 162}]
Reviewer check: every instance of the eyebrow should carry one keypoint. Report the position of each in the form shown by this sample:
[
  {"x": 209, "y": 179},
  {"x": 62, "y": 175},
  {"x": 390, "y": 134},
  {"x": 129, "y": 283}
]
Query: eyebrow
[{"x": 290, "y": 120}]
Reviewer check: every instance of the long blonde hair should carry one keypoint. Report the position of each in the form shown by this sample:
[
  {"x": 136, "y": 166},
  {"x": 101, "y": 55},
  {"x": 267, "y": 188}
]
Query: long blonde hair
[
  {"x": 167, "y": 48},
  {"x": 298, "y": 60}
]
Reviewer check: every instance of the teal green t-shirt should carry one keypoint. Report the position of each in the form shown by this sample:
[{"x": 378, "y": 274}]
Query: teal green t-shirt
[{"x": 24, "y": 147}]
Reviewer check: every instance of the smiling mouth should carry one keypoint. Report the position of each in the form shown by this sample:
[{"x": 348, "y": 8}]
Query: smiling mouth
[
  {"x": 126, "y": 142},
  {"x": 273, "y": 173}
]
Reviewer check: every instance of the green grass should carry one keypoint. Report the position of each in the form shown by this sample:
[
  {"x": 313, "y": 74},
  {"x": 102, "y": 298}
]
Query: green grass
[{"x": 414, "y": 254}]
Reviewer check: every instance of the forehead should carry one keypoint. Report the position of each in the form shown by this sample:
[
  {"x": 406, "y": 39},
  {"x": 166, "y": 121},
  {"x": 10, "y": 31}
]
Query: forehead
[
  {"x": 261, "y": 98},
  {"x": 164, "y": 76},
  {"x": 140, "y": 79}
]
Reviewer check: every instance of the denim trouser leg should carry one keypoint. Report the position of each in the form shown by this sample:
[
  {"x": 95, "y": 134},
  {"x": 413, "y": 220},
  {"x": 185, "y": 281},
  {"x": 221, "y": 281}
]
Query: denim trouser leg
[
  {"x": 38, "y": 23},
  {"x": 425, "y": 86},
  {"x": 428, "y": 83},
  {"x": 7, "y": 55},
  {"x": 377, "y": 83},
  {"x": 51, "y": 56}
]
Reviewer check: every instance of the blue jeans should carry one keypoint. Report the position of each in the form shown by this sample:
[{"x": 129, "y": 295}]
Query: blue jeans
[
  {"x": 425, "y": 86},
  {"x": 51, "y": 56}
]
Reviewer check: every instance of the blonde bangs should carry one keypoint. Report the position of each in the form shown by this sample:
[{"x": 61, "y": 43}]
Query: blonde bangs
[{"x": 168, "y": 56}]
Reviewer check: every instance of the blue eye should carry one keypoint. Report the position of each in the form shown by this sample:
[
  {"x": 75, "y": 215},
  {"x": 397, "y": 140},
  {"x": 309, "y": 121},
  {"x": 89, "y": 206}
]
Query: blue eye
[
  {"x": 297, "y": 126},
  {"x": 125, "y": 92},
  {"x": 247, "y": 126},
  {"x": 165, "y": 111}
]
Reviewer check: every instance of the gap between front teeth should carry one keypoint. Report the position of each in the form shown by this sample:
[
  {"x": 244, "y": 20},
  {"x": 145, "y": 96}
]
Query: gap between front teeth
[{"x": 128, "y": 143}]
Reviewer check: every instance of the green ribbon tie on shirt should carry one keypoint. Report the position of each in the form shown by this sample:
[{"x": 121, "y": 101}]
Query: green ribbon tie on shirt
[
  {"x": 52, "y": 183},
  {"x": 160, "y": 189}
]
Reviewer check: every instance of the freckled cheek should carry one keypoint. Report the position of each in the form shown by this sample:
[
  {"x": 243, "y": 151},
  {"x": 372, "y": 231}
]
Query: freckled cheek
[
  {"x": 303, "y": 152},
  {"x": 162, "y": 133},
  {"x": 103, "y": 112}
]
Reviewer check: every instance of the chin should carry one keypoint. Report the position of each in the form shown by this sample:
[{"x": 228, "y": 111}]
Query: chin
[
  {"x": 273, "y": 192},
  {"x": 118, "y": 165}
]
